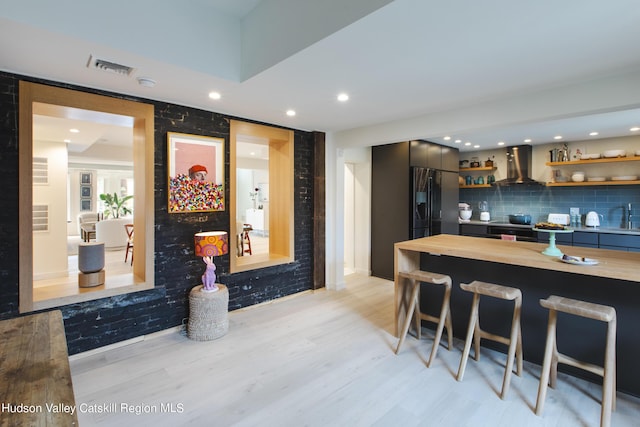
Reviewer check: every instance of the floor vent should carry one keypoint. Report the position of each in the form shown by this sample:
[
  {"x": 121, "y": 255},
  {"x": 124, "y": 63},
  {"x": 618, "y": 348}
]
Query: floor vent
[{"x": 110, "y": 67}]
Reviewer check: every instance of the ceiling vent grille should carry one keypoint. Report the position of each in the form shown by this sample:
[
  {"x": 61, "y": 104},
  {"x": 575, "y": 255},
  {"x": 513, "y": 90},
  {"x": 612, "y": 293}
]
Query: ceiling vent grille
[{"x": 110, "y": 67}]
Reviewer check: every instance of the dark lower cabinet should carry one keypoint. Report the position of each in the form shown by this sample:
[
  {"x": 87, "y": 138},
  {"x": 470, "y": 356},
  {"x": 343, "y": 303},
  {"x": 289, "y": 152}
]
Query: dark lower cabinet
[
  {"x": 474, "y": 230},
  {"x": 620, "y": 242},
  {"x": 585, "y": 240},
  {"x": 561, "y": 238}
]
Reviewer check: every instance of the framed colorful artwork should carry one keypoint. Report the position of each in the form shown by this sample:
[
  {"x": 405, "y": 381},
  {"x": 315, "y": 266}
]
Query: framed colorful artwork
[{"x": 196, "y": 173}]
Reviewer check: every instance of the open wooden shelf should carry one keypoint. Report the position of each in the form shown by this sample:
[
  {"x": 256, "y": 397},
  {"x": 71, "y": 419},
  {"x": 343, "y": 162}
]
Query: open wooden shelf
[
  {"x": 592, "y": 161},
  {"x": 481, "y": 169},
  {"x": 475, "y": 186},
  {"x": 591, "y": 183}
]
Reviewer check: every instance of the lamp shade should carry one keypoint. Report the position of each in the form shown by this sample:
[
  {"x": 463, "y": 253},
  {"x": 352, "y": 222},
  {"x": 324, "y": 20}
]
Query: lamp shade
[{"x": 211, "y": 243}]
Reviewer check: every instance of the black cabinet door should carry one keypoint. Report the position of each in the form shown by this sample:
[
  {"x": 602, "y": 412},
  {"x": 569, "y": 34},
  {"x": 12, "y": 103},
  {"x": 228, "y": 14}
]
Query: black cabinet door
[
  {"x": 390, "y": 204},
  {"x": 418, "y": 155},
  {"x": 425, "y": 154},
  {"x": 581, "y": 238},
  {"x": 561, "y": 238},
  {"x": 626, "y": 240},
  {"x": 450, "y": 197},
  {"x": 450, "y": 159},
  {"x": 622, "y": 242},
  {"x": 434, "y": 155},
  {"x": 475, "y": 230}
]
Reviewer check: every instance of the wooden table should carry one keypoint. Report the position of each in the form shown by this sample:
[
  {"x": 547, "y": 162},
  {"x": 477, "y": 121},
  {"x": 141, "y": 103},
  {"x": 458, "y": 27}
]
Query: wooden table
[
  {"x": 615, "y": 281},
  {"x": 35, "y": 378}
]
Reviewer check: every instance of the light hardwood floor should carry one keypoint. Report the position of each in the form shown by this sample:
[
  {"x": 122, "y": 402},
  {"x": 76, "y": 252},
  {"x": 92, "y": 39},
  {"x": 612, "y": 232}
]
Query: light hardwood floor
[
  {"x": 118, "y": 274},
  {"x": 321, "y": 358}
]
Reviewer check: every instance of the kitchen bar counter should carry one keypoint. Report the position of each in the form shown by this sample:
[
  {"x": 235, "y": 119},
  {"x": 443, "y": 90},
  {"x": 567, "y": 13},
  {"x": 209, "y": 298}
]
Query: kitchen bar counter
[
  {"x": 615, "y": 281},
  {"x": 612, "y": 264}
]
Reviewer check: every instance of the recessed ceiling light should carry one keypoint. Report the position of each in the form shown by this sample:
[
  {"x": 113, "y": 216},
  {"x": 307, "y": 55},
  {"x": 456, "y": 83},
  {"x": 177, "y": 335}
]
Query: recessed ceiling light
[
  {"x": 458, "y": 141},
  {"x": 74, "y": 130},
  {"x": 447, "y": 138},
  {"x": 557, "y": 137},
  {"x": 527, "y": 140},
  {"x": 253, "y": 153},
  {"x": 67, "y": 141},
  {"x": 593, "y": 133},
  {"x": 476, "y": 146},
  {"x": 634, "y": 129},
  {"x": 467, "y": 143},
  {"x": 501, "y": 143},
  {"x": 291, "y": 113},
  {"x": 343, "y": 97},
  {"x": 215, "y": 95}
]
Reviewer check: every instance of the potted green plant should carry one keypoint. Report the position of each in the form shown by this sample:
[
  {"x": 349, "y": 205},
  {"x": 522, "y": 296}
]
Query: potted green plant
[{"x": 114, "y": 205}]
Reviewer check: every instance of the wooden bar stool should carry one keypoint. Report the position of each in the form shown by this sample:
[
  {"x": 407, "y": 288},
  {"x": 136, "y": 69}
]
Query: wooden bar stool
[
  {"x": 246, "y": 240},
  {"x": 514, "y": 341},
  {"x": 552, "y": 357},
  {"x": 416, "y": 277}
]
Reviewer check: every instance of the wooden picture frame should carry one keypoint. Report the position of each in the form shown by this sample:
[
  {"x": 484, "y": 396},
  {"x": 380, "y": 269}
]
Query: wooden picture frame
[
  {"x": 85, "y": 178},
  {"x": 195, "y": 166},
  {"x": 85, "y": 191}
]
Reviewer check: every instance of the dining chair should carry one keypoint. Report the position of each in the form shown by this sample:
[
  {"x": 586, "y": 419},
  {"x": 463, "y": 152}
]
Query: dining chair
[{"x": 129, "y": 230}]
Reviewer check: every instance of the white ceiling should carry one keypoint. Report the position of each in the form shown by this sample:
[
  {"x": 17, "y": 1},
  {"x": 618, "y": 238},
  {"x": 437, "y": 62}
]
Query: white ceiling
[{"x": 412, "y": 68}]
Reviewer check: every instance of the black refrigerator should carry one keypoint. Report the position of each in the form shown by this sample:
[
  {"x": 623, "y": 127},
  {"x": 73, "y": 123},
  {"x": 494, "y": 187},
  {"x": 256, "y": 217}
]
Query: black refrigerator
[{"x": 426, "y": 202}]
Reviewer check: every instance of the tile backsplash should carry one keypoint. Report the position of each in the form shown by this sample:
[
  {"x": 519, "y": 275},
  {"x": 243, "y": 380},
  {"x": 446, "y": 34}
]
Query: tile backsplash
[{"x": 608, "y": 200}]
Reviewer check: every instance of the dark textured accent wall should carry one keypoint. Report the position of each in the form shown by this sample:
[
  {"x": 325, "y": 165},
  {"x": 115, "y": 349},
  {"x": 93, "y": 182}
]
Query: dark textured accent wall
[{"x": 106, "y": 321}]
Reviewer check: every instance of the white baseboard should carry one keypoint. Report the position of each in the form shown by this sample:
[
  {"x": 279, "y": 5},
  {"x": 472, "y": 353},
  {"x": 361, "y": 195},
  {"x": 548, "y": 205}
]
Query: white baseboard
[{"x": 125, "y": 343}]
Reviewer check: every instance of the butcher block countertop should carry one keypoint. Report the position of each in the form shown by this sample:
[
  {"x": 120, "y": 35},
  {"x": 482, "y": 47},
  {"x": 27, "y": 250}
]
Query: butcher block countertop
[{"x": 612, "y": 264}]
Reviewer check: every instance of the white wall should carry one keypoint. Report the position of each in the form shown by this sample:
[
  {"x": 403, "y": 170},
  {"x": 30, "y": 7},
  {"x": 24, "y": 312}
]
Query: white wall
[
  {"x": 250, "y": 174},
  {"x": 360, "y": 159},
  {"x": 50, "y": 247},
  {"x": 334, "y": 198},
  {"x": 349, "y": 218}
]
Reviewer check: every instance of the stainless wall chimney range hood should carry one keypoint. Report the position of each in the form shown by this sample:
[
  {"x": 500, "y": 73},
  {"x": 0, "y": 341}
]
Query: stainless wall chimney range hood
[{"x": 518, "y": 167}]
